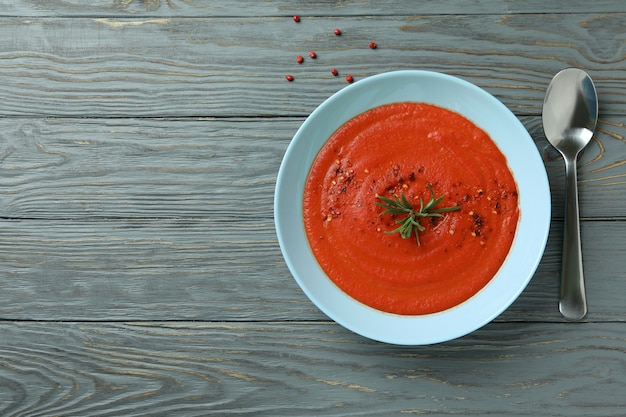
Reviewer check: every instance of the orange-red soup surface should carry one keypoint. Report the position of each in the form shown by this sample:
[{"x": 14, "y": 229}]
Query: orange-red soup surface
[{"x": 402, "y": 148}]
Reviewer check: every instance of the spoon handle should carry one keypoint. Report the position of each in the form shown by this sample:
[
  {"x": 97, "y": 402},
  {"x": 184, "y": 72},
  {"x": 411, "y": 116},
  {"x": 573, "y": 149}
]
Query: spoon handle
[{"x": 573, "y": 301}]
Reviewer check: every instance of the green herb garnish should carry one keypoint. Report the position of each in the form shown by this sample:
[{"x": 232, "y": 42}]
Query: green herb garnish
[{"x": 400, "y": 205}]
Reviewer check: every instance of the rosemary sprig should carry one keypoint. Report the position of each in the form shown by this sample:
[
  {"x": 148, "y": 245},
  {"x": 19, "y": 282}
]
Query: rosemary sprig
[{"x": 400, "y": 205}]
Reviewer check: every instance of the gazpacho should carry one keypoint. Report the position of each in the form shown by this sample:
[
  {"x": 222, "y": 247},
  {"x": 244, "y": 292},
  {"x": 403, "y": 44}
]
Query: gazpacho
[{"x": 367, "y": 215}]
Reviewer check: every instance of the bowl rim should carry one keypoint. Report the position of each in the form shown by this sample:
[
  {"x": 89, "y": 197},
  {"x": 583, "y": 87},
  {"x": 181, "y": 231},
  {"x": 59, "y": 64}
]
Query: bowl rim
[{"x": 469, "y": 100}]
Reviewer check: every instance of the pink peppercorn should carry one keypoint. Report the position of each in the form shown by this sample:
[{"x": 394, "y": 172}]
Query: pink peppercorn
[
  {"x": 296, "y": 18},
  {"x": 337, "y": 32},
  {"x": 373, "y": 45},
  {"x": 289, "y": 78},
  {"x": 313, "y": 55},
  {"x": 334, "y": 72},
  {"x": 349, "y": 78},
  {"x": 299, "y": 59}
]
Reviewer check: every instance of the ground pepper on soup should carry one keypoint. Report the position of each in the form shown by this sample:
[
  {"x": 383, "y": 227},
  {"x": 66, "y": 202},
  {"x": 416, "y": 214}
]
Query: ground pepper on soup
[{"x": 408, "y": 148}]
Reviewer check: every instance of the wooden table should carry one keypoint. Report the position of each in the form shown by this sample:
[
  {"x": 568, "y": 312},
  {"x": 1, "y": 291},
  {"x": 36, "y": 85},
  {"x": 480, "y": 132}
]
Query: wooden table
[{"x": 139, "y": 266}]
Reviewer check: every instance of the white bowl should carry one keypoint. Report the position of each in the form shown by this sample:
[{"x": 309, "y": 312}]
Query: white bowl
[{"x": 482, "y": 109}]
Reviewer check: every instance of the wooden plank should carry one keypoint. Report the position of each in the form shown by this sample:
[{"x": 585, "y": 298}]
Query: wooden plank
[
  {"x": 105, "y": 168},
  {"x": 287, "y": 8},
  {"x": 197, "y": 269},
  {"x": 211, "y": 269},
  {"x": 276, "y": 369},
  {"x": 162, "y": 67},
  {"x": 218, "y": 168}
]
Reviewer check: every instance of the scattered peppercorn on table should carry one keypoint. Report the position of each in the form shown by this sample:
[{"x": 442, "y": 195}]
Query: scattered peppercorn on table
[{"x": 139, "y": 266}]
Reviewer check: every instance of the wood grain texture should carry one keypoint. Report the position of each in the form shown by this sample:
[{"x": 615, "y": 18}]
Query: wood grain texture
[
  {"x": 205, "y": 66},
  {"x": 218, "y": 270},
  {"x": 199, "y": 369},
  {"x": 140, "y": 273},
  {"x": 223, "y": 169},
  {"x": 109, "y": 168},
  {"x": 285, "y": 8}
]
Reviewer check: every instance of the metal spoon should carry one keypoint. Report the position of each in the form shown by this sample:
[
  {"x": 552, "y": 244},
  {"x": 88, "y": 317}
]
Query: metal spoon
[{"x": 570, "y": 114}]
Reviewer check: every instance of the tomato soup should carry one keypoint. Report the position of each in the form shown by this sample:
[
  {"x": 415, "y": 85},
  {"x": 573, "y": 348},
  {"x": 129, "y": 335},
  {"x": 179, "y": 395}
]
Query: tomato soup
[{"x": 403, "y": 149}]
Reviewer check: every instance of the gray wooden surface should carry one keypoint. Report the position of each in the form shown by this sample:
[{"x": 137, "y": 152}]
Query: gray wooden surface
[{"x": 139, "y": 269}]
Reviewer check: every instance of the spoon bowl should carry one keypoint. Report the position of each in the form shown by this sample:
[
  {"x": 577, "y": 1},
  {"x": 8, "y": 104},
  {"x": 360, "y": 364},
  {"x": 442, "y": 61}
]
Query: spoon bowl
[
  {"x": 570, "y": 114},
  {"x": 570, "y": 110}
]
